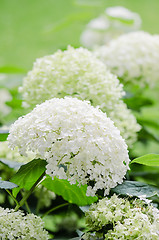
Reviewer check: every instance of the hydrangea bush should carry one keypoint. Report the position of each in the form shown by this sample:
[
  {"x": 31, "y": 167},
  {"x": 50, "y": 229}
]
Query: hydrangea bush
[
  {"x": 73, "y": 145},
  {"x": 119, "y": 218},
  {"x": 17, "y": 225},
  {"x": 79, "y": 142},
  {"x": 77, "y": 73},
  {"x": 133, "y": 57}
]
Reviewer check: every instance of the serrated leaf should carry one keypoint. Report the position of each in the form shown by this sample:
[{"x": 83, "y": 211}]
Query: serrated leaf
[
  {"x": 11, "y": 164},
  {"x": 136, "y": 189},
  {"x": 29, "y": 173},
  {"x": 7, "y": 185},
  {"x": 71, "y": 193},
  {"x": 148, "y": 160},
  {"x": 3, "y": 135}
]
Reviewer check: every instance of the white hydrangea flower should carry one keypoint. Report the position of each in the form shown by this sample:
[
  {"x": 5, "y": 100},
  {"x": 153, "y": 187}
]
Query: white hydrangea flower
[
  {"x": 77, "y": 140},
  {"x": 74, "y": 72},
  {"x": 126, "y": 220},
  {"x": 114, "y": 22},
  {"x": 126, "y": 123},
  {"x": 133, "y": 57},
  {"x": 77, "y": 73},
  {"x": 17, "y": 225}
]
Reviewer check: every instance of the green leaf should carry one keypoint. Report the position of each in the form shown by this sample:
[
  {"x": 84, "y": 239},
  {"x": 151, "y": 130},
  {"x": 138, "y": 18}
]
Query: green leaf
[
  {"x": 71, "y": 193},
  {"x": 148, "y": 160},
  {"x": 151, "y": 129},
  {"x": 134, "y": 188},
  {"x": 142, "y": 148},
  {"x": 29, "y": 173},
  {"x": 11, "y": 69},
  {"x": 65, "y": 22},
  {"x": 7, "y": 185},
  {"x": 3, "y": 135},
  {"x": 149, "y": 119}
]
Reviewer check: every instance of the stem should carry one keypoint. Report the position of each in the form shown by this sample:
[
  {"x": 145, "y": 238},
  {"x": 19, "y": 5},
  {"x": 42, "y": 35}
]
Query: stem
[
  {"x": 26, "y": 204},
  {"x": 38, "y": 206},
  {"x": 22, "y": 202},
  {"x": 15, "y": 200},
  {"x": 55, "y": 208},
  {"x": 27, "y": 207}
]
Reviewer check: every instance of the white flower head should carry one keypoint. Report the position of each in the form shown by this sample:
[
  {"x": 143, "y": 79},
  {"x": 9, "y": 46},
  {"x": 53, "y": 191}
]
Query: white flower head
[
  {"x": 78, "y": 73},
  {"x": 129, "y": 20},
  {"x": 133, "y": 57},
  {"x": 126, "y": 219},
  {"x": 126, "y": 122},
  {"x": 17, "y": 225},
  {"x": 79, "y": 142},
  {"x": 74, "y": 72},
  {"x": 112, "y": 23}
]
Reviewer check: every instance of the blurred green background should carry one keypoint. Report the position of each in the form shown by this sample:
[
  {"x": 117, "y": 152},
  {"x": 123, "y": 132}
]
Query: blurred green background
[{"x": 34, "y": 28}]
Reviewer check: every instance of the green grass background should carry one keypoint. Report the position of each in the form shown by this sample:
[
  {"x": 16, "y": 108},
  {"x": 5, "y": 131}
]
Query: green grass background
[{"x": 34, "y": 28}]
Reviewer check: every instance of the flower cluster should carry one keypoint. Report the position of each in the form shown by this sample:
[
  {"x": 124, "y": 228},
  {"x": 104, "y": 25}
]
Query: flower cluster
[
  {"x": 74, "y": 72},
  {"x": 77, "y": 140},
  {"x": 126, "y": 123},
  {"x": 118, "y": 218},
  {"x": 133, "y": 57},
  {"x": 77, "y": 73},
  {"x": 17, "y": 225},
  {"x": 114, "y": 22}
]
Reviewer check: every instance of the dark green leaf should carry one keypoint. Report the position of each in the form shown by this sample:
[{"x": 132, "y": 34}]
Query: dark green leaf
[
  {"x": 3, "y": 135},
  {"x": 134, "y": 188},
  {"x": 7, "y": 185},
  {"x": 29, "y": 173},
  {"x": 71, "y": 193},
  {"x": 148, "y": 159}
]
